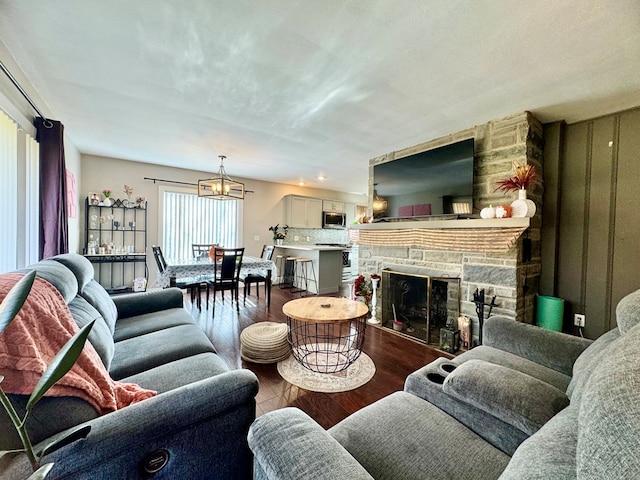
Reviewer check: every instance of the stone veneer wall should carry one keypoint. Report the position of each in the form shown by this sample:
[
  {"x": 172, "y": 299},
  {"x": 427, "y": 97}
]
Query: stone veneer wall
[{"x": 512, "y": 280}]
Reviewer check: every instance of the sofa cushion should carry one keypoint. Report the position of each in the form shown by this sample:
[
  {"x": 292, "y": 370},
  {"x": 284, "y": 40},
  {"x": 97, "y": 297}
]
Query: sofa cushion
[
  {"x": 586, "y": 362},
  {"x": 96, "y": 295},
  {"x": 100, "y": 336},
  {"x": 81, "y": 267},
  {"x": 609, "y": 420},
  {"x": 515, "y": 362},
  {"x": 57, "y": 275},
  {"x": 550, "y": 453},
  {"x": 511, "y": 396},
  {"x": 148, "y": 351},
  {"x": 628, "y": 312},
  {"x": 180, "y": 372},
  {"x": 151, "y": 322},
  {"x": 403, "y": 436}
]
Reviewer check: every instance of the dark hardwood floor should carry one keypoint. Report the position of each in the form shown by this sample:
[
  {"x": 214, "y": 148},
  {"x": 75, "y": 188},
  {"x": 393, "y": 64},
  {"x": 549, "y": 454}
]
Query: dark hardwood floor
[{"x": 394, "y": 356}]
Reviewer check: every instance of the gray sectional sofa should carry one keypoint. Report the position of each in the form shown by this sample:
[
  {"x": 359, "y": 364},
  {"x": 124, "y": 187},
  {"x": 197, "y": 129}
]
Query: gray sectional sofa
[
  {"x": 528, "y": 404},
  {"x": 197, "y": 423}
]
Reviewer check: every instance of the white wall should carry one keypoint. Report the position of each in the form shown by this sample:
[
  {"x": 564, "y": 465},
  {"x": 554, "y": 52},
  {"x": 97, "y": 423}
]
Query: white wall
[
  {"x": 12, "y": 102},
  {"x": 262, "y": 208}
]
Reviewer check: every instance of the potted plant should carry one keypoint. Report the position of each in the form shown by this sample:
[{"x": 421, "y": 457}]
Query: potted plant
[
  {"x": 278, "y": 236},
  {"x": 523, "y": 177},
  {"x": 58, "y": 367}
]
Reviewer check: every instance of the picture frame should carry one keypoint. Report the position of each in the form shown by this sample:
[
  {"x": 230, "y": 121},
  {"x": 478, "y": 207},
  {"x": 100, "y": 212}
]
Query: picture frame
[{"x": 94, "y": 198}]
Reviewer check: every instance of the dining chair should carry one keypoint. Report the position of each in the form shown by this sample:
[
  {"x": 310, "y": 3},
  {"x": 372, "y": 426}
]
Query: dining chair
[
  {"x": 227, "y": 264},
  {"x": 256, "y": 278},
  {"x": 184, "y": 283},
  {"x": 202, "y": 249}
]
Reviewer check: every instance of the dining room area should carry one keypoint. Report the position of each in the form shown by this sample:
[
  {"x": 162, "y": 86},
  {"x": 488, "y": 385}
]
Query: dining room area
[{"x": 212, "y": 270}]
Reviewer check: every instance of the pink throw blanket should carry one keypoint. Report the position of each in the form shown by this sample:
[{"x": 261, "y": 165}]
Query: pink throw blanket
[{"x": 40, "y": 330}]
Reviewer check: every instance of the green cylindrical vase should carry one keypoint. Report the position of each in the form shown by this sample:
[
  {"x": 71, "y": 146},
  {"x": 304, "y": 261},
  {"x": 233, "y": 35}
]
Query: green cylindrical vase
[{"x": 549, "y": 312}]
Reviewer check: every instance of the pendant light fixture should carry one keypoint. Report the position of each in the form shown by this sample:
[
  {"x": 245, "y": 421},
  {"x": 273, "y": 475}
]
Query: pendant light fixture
[
  {"x": 221, "y": 186},
  {"x": 379, "y": 204}
]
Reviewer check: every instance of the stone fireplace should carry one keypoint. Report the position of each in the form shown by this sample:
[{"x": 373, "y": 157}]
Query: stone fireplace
[
  {"x": 419, "y": 305},
  {"x": 499, "y": 256}
]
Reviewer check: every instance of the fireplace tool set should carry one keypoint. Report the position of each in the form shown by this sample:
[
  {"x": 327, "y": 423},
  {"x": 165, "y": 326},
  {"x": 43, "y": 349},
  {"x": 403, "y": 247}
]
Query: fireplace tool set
[{"x": 479, "y": 300}]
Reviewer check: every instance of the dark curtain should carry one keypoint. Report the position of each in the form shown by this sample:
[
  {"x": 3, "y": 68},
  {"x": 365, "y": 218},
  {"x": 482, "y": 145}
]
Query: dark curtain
[{"x": 54, "y": 227}]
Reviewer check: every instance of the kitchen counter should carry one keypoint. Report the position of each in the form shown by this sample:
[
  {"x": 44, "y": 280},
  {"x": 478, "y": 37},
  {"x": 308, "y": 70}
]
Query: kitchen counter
[
  {"x": 312, "y": 247},
  {"x": 327, "y": 263}
]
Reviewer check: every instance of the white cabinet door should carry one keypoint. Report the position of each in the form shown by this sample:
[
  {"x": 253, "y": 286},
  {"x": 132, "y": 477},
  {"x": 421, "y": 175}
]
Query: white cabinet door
[
  {"x": 314, "y": 213},
  {"x": 333, "y": 206},
  {"x": 303, "y": 212},
  {"x": 297, "y": 212}
]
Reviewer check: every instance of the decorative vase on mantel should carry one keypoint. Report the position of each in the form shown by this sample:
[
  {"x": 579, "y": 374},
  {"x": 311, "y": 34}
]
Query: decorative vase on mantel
[
  {"x": 279, "y": 241},
  {"x": 523, "y": 207}
]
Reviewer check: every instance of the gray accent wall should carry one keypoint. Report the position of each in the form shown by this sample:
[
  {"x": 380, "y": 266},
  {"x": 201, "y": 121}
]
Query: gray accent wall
[{"x": 591, "y": 224}]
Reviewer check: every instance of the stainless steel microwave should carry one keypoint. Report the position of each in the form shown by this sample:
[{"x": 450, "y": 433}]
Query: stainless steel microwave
[{"x": 334, "y": 220}]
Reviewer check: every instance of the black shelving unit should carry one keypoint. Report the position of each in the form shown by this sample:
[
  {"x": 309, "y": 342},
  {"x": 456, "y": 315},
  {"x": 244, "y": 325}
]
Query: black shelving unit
[{"x": 116, "y": 243}]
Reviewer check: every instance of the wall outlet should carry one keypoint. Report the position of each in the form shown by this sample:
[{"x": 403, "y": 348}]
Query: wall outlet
[
  {"x": 579, "y": 320},
  {"x": 296, "y": 238},
  {"x": 256, "y": 238}
]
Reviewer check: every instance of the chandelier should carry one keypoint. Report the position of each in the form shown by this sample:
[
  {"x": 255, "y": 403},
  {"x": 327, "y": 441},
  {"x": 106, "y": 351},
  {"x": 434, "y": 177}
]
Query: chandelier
[
  {"x": 379, "y": 204},
  {"x": 221, "y": 186}
]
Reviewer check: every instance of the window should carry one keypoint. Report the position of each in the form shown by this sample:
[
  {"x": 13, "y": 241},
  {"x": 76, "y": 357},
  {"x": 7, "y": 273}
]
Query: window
[
  {"x": 189, "y": 219},
  {"x": 19, "y": 227}
]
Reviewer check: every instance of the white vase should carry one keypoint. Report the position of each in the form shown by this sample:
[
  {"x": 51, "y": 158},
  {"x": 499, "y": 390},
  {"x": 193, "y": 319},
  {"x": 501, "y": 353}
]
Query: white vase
[
  {"x": 523, "y": 207},
  {"x": 278, "y": 241},
  {"x": 107, "y": 202},
  {"x": 374, "y": 301}
]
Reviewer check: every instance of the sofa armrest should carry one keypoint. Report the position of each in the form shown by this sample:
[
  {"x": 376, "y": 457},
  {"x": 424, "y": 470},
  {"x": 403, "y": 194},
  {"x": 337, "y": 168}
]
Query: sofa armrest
[
  {"x": 202, "y": 426},
  {"x": 288, "y": 445},
  {"x": 511, "y": 396},
  {"x": 133, "y": 304},
  {"x": 555, "y": 350}
]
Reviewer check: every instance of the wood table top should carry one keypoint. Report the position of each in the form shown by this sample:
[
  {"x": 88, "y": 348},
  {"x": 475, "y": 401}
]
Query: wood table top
[{"x": 324, "y": 309}]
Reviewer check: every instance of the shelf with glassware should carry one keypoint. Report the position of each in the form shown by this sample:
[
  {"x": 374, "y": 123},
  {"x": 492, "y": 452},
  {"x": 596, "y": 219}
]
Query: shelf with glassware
[{"x": 116, "y": 243}]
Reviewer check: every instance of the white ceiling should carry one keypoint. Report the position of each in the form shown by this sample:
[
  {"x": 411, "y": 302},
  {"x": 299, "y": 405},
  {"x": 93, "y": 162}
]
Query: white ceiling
[{"x": 291, "y": 89}]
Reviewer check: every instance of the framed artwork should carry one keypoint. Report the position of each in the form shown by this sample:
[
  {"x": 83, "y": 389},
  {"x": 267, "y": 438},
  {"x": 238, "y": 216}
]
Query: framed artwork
[
  {"x": 72, "y": 195},
  {"x": 94, "y": 198}
]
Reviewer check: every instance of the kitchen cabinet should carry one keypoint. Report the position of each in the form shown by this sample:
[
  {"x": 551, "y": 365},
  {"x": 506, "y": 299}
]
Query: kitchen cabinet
[
  {"x": 333, "y": 206},
  {"x": 303, "y": 212},
  {"x": 116, "y": 242}
]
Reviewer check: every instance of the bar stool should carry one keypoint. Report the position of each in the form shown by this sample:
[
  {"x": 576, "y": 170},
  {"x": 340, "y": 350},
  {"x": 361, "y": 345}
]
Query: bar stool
[
  {"x": 302, "y": 275},
  {"x": 279, "y": 261}
]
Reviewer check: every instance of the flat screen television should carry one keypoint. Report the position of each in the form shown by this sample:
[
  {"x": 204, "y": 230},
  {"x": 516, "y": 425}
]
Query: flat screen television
[{"x": 429, "y": 183}]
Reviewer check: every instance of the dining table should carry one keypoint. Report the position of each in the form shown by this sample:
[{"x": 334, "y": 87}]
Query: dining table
[{"x": 201, "y": 268}]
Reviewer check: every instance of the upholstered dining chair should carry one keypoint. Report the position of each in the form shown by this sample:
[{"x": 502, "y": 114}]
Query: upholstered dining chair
[
  {"x": 185, "y": 283},
  {"x": 227, "y": 263},
  {"x": 254, "y": 278}
]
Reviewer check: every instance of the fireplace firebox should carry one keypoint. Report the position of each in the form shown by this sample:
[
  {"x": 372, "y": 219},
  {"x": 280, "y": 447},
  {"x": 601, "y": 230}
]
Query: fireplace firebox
[{"x": 419, "y": 306}]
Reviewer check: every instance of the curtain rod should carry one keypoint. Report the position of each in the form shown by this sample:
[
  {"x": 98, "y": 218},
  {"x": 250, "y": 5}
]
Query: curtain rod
[
  {"x": 154, "y": 180},
  {"x": 46, "y": 122}
]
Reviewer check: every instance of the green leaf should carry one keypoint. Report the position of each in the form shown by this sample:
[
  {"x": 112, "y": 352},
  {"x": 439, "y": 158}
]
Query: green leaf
[
  {"x": 14, "y": 300},
  {"x": 42, "y": 472},
  {"x": 60, "y": 364}
]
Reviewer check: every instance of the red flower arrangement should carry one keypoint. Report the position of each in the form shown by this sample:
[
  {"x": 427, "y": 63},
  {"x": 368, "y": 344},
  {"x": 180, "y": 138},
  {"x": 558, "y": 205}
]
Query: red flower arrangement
[
  {"x": 522, "y": 179},
  {"x": 362, "y": 287}
]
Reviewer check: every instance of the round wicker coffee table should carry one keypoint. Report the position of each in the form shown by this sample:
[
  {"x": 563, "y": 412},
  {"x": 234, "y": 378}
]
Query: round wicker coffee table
[{"x": 326, "y": 334}]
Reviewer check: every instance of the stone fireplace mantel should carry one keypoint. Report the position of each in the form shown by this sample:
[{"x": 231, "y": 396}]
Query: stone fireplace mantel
[{"x": 471, "y": 235}]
